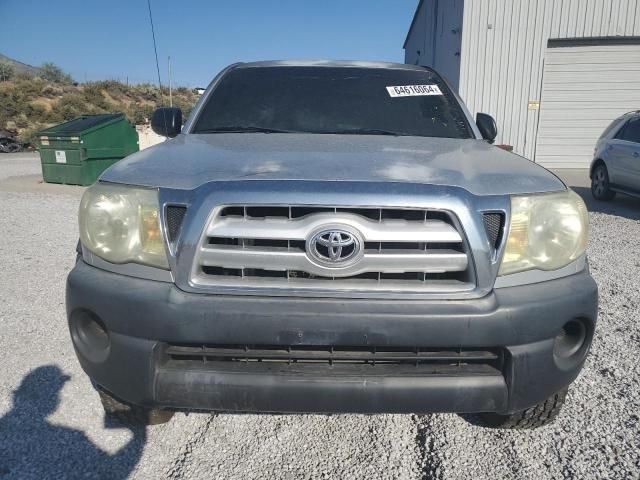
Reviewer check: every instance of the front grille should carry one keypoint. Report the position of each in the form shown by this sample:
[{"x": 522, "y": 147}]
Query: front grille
[
  {"x": 408, "y": 250},
  {"x": 444, "y": 360}
]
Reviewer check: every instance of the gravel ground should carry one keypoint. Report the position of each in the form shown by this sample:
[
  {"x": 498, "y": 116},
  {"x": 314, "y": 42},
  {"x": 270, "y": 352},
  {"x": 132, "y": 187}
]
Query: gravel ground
[{"x": 51, "y": 422}]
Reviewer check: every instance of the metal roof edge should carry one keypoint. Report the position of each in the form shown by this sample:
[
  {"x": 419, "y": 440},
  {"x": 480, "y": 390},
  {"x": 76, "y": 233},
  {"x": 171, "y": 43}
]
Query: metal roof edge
[{"x": 413, "y": 21}]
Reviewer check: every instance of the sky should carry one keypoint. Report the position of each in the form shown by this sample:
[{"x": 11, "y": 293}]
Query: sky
[{"x": 94, "y": 40}]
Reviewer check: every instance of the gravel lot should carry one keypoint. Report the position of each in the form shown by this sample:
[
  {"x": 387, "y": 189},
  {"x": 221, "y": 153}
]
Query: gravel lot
[{"x": 51, "y": 422}]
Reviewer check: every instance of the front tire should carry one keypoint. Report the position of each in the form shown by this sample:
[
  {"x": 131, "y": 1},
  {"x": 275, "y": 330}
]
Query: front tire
[
  {"x": 539, "y": 415},
  {"x": 132, "y": 415},
  {"x": 600, "y": 187}
]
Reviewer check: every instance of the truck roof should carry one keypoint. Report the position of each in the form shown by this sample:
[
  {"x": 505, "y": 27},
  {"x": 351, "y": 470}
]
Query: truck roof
[{"x": 331, "y": 63}]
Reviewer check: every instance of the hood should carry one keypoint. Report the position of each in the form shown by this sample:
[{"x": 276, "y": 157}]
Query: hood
[{"x": 190, "y": 160}]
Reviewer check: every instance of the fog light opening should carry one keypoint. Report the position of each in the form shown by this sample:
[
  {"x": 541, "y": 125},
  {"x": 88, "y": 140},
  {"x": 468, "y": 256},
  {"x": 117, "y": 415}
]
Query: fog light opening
[
  {"x": 570, "y": 342},
  {"x": 90, "y": 335}
]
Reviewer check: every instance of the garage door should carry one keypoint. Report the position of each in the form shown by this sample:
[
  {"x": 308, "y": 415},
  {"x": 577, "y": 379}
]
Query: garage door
[{"x": 583, "y": 89}]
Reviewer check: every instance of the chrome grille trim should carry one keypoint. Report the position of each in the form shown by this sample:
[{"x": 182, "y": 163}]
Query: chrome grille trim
[
  {"x": 281, "y": 260},
  {"x": 421, "y": 254},
  {"x": 299, "y": 229}
]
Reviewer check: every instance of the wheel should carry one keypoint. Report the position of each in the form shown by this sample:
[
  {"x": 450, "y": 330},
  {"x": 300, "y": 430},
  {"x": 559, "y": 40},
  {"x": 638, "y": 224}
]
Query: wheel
[
  {"x": 600, "y": 184},
  {"x": 537, "y": 416},
  {"x": 132, "y": 415}
]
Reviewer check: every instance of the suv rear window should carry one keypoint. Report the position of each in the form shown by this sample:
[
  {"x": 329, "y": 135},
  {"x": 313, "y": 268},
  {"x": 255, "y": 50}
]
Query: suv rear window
[
  {"x": 342, "y": 100},
  {"x": 631, "y": 131}
]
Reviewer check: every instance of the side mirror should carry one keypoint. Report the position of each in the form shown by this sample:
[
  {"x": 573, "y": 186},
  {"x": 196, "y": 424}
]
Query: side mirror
[
  {"x": 487, "y": 126},
  {"x": 167, "y": 121}
]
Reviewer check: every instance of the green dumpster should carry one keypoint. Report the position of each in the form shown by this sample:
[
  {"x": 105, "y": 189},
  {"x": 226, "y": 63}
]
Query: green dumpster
[{"x": 78, "y": 151}]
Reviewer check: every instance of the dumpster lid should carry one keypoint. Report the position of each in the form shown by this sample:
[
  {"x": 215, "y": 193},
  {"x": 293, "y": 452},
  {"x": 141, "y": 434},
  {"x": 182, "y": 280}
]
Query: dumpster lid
[{"x": 80, "y": 124}]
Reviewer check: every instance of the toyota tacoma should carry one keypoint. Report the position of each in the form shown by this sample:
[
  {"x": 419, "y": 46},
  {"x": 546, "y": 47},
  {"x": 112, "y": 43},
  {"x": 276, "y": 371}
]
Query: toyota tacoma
[{"x": 331, "y": 237}]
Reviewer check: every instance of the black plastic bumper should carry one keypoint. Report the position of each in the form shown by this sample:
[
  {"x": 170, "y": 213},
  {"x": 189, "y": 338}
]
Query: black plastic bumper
[{"x": 143, "y": 316}]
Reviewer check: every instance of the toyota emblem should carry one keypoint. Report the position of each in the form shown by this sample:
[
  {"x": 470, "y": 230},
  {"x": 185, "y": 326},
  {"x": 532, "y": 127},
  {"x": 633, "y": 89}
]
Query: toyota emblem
[{"x": 334, "y": 247}]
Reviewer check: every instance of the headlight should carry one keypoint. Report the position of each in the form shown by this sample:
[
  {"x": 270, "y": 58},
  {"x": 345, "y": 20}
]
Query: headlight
[
  {"x": 122, "y": 224},
  {"x": 547, "y": 232}
]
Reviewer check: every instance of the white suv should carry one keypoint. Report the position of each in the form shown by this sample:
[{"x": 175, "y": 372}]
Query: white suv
[{"x": 616, "y": 160}]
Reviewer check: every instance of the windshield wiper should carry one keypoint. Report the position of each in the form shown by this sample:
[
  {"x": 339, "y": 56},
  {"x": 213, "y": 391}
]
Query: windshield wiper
[
  {"x": 244, "y": 129},
  {"x": 365, "y": 131}
]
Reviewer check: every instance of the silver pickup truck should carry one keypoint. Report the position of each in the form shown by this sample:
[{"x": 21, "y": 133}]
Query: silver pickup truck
[{"x": 331, "y": 237}]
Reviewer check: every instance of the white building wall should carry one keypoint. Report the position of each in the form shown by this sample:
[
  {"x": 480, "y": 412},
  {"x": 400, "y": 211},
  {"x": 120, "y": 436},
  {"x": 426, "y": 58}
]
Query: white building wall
[{"x": 503, "y": 47}]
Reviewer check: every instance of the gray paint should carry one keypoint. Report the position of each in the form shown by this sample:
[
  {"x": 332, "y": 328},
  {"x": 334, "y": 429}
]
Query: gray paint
[
  {"x": 518, "y": 316},
  {"x": 465, "y": 177},
  {"x": 503, "y": 50},
  {"x": 191, "y": 160}
]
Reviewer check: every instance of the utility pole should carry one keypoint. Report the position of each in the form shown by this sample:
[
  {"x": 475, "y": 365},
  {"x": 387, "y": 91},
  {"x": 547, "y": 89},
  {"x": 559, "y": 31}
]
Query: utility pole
[{"x": 170, "y": 94}]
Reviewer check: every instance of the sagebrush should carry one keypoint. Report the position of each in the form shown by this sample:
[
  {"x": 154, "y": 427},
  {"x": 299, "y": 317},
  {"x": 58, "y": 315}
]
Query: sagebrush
[{"x": 30, "y": 103}]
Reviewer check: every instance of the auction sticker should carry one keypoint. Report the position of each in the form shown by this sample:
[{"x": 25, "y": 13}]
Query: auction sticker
[
  {"x": 413, "y": 90},
  {"x": 61, "y": 156}
]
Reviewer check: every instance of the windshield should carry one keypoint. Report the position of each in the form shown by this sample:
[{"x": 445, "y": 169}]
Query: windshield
[{"x": 344, "y": 100}]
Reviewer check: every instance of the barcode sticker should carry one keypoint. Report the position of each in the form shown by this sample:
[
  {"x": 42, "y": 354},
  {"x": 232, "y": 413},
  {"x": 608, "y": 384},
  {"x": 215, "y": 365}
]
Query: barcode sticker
[{"x": 413, "y": 90}]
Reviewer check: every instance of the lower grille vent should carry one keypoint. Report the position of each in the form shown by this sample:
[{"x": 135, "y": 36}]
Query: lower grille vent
[{"x": 301, "y": 354}]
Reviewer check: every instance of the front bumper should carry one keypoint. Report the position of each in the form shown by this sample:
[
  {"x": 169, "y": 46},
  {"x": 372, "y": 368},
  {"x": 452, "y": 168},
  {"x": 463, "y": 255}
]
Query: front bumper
[{"x": 142, "y": 317}]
